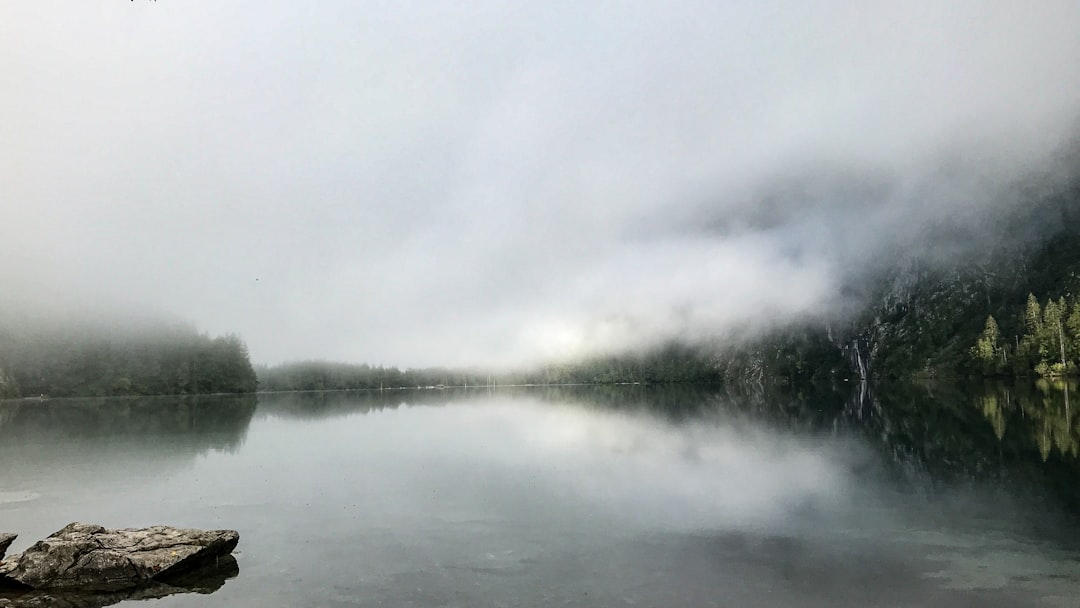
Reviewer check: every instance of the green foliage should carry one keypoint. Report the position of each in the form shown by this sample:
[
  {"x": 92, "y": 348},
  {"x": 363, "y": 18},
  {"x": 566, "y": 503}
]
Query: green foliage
[
  {"x": 1072, "y": 330},
  {"x": 928, "y": 317},
  {"x": 988, "y": 352},
  {"x": 1049, "y": 346},
  {"x": 1033, "y": 316}
]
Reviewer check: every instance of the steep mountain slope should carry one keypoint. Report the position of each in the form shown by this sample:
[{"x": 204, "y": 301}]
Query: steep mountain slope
[
  {"x": 918, "y": 309},
  {"x": 923, "y": 319}
]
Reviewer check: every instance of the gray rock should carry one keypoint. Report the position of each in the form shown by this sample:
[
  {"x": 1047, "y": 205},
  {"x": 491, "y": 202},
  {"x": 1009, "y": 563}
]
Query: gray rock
[
  {"x": 90, "y": 558},
  {"x": 5, "y": 542},
  {"x": 203, "y": 581}
]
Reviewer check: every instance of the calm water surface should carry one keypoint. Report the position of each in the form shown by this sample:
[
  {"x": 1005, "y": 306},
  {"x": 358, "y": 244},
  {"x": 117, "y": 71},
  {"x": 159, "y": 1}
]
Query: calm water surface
[{"x": 623, "y": 496}]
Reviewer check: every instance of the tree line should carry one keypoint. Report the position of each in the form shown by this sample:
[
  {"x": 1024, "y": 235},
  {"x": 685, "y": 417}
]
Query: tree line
[
  {"x": 668, "y": 364},
  {"x": 89, "y": 361},
  {"x": 1047, "y": 343},
  {"x": 317, "y": 375}
]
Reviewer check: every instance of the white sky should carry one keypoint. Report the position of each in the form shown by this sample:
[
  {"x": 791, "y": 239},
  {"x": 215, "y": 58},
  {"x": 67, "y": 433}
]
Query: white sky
[{"x": 421, "y": 183}]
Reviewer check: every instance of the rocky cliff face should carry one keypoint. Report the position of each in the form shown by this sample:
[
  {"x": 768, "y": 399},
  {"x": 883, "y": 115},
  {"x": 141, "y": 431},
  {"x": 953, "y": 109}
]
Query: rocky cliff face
[{"x": 918, "y": 313}]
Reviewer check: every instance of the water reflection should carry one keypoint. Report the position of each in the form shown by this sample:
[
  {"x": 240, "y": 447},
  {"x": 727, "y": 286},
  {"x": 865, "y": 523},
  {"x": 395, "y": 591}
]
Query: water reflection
[
  {"x": 686, "y": 495},
  {"x": 928, "y": 433},
  {"x": 1041, "y": 411},
  {"x": 593, "y": 496},
  {"x": 56, "y": 444},
  {"x": 807, "y": 407},
  {"x": 204, "y": 581},
  {"x": 99, "y": 460},
  {"x": 317, "y": 405},
  {"x": 201, "y": 423}
]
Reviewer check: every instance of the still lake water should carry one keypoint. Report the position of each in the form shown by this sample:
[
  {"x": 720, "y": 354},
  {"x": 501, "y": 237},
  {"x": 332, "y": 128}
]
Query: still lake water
[{"x": 617, "y": 496}]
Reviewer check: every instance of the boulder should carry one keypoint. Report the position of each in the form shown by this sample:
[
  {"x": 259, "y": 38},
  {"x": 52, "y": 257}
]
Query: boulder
[
  {"x": 5, "y": 542},
  {"x": 204, "y": 580},
  {"x": 90, "y": 558}
]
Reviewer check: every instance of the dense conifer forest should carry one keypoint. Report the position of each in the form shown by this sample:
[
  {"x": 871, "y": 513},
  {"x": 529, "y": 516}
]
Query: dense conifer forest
[
  {"x": 1047, "y": 344},
  {"x": 668, "y": 364},
  {"x": 81, "y": 359}
]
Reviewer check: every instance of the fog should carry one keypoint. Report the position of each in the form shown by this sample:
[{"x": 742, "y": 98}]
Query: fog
[{"x": 493, "y": 183}]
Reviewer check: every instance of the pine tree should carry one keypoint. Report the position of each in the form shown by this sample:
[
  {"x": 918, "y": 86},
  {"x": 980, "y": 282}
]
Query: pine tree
[
  {"x": 1051, "y": 339},
  {"x": 1028, "y": 349},
  {"x": 1033, "y": 316},
  {"x": 1072, "y": 331},
  {"x": 986, "y": 348}
]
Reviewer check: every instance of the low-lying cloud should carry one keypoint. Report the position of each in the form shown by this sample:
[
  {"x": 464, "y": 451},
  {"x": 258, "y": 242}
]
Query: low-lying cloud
[{"x": 421, "y": 184}]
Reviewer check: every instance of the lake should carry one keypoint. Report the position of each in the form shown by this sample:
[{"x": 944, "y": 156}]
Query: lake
[{"x": 579, "y": 496}]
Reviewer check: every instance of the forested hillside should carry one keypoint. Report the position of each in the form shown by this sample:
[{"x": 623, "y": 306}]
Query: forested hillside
[
  {"x": 80, "y": 359},
  {"x": 926, "y": 320},
  {"x": 1049, "y": 346},
  {"x": 926, "y": 315}
]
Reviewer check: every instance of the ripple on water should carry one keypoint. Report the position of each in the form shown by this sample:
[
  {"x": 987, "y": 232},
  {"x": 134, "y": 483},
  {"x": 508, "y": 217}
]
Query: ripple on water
[{"x": 13, "y": 497}]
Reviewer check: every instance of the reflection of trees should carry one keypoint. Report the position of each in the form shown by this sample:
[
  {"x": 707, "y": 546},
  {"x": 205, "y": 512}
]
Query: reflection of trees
[
  {"x": 807, "y": 407},
  {"x": 676, "y": 401},
  {"x": 1040, "y": 411},
  {"x": 56, "y": 443},
  {"x": 214, "y": 422},
  {"x": 933, "y": 437},
  {"x": 927, "y": 433},
  {"x": 930, "y": 431},
  {"x": 329, "y": 404},
  {"x": 990, "y": 406},
  {"x": 1055, "y": 423}
]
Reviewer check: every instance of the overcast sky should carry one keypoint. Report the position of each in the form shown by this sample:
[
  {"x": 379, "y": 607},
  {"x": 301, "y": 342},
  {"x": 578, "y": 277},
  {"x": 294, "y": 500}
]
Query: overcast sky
[{"x": 489, "y": 182}]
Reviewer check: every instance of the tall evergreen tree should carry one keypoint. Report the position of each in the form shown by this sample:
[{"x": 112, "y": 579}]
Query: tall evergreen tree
[{"x": 987, "y": 350}]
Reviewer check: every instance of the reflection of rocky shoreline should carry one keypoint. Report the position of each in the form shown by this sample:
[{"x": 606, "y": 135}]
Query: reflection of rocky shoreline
[
  {"x": 205, "y": 581},
  {"x": 1008, "y": 434},
  {"x": 927, "y": 433}
]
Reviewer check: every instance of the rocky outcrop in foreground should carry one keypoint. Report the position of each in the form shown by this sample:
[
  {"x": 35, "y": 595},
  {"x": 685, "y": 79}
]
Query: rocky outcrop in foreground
[
  {"x": 88, "y": 566},
  {"x": 5, "y": 542}
]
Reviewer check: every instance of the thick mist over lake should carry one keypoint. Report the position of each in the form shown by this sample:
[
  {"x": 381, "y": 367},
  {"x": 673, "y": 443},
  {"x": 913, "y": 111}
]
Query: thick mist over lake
[
  {"x": 423, "y": 194},
  {"x": 588, "y": 497},
  {"x": 500, "y": 183}
]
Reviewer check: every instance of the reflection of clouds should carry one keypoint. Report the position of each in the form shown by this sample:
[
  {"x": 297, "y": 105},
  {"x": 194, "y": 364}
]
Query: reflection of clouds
[
  {"x": 18, "y": 496},
  {"x": 701, "y": 471}
]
